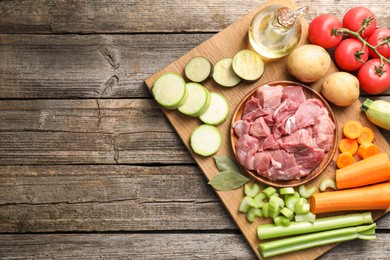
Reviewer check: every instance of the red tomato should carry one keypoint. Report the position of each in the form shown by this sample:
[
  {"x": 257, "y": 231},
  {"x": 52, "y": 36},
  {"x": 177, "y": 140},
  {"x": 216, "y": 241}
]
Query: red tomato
[
  {"x": 372, "y": 78},
  {"x": 378, "y": 37},
  {"x": 320, "y": 31},
  {"x": 355, "y": 17},
  {"x": 346, "y": 54}
]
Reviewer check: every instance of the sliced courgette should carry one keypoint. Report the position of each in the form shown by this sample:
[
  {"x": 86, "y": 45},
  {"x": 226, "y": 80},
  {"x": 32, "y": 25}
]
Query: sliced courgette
[
  {"x": 198, "y": 69},
  {"x": 205, "y": 140},
  {"x": 170, "y": 91},
  {"x": 218, "y": 110},
  {"x": 223, "y": 73},
  {"x": 248, "y": 65},
  {"x": 198, "y": 100}
]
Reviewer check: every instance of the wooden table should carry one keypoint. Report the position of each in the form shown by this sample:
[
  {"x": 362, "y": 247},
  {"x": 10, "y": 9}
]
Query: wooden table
[{"x": 90, "y": 167}]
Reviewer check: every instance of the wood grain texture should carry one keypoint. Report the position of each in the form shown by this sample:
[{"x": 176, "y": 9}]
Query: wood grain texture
[
  {"x": 161, "y": 246},
  {"x": 110, "y": 16}
]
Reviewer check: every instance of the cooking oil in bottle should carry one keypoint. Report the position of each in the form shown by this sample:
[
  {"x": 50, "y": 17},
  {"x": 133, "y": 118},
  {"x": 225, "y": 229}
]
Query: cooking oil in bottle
[{"x": 275, "y": 31}]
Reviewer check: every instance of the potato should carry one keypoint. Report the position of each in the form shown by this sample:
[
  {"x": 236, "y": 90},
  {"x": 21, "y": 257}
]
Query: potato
[
  {"x": 340, "y": 88},
  {"x": 308, "y": 63}
]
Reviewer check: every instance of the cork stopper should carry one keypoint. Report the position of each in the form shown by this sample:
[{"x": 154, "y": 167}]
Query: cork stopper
[{"x": 287, "y": 17}]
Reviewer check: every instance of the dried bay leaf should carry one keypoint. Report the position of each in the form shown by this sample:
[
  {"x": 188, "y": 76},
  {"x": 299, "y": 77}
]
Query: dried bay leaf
[
  {"x": 224, "y": 163},
  {"x": 228, "y": 180}
]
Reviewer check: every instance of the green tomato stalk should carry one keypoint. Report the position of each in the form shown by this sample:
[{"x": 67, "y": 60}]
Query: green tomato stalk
[{"x": 357, "y": 35}]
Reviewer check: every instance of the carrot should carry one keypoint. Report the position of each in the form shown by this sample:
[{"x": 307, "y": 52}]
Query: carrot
[
  {"x": 348, "y": 145},
  {"x": 367, "y": 171},
  {"x": 364, "y": 198},
  {"x": 344, "y": 159},
  {"x": 367, "y": 135},
  {"x": 352, "y": 129},
  {"x": 367, "y": 149}
]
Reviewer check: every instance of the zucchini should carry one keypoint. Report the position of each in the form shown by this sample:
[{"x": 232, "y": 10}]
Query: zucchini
[
  {"x": 206, "y": 140},
  {"x": 198, "y": 100},
  {"x": 218, "y": 110},
  {"x": 198, "y": 69},
  {"x": 248, "y": 65},
  {"x": 170, "y": 91},
  {"x": 223, "y": 73},
  {"x": 378, "y": 112}
]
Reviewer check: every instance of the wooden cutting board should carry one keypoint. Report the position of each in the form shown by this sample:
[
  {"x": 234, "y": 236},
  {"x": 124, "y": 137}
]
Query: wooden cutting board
[{"x": 225, "y": 44}]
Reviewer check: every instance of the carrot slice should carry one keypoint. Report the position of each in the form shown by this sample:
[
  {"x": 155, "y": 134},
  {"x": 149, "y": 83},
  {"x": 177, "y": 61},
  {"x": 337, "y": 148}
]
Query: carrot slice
[
  {"x": 348, "y": 145},
  {"x": 367, "y": 135},
  {"x": 344, "y": 159},
  {"x": 367, "y": 171},
  {"x": 367, "y": 149},
  {"x": 352, "y": 129},
  {"x": 364, "y": 198}
]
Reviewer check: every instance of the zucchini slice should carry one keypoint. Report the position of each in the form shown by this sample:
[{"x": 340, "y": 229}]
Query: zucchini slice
[
  {"x": 198, "y": 100},
  {"x": 170, "y": 91},
  {"x": 223, "y": 73},
  {"x": 218, "y": 110},
  {"x": 198, "y": 69},
  {"x": 206, "y": 140},
  {"x": 248, "y": 65}
]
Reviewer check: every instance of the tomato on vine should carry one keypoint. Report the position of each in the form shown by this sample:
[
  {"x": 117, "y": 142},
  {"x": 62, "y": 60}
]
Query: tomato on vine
[
  {"x": 360, "y": 19},
  {"x": 349, "y": 55},
  {"x": 322, "y": 31},
  {"x": 374, "y": 77},
  {"x": 381, "y": 37}
]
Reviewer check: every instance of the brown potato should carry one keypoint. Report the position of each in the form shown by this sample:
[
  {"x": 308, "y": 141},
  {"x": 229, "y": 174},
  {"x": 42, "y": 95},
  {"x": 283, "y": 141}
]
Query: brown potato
[{"x": 340, "y": 88}]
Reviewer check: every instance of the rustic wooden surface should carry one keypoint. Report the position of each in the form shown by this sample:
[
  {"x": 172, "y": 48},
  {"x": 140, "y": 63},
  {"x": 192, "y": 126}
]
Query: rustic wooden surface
[{"x": 90, "y": 167}]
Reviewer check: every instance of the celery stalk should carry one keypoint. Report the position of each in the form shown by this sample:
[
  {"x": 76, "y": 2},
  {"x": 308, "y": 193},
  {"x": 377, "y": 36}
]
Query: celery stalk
[
  {"x": 251, "y": 191},
  {"x": 292, "y": 244},
  {"x": 306, "y": 192},
  {"x": 267, "y": 231}
]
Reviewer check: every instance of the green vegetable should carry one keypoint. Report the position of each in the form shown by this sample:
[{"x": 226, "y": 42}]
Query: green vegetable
[
  {"x": 288, "y": 213},
  {"x": 206, "y": 140},
  {"x": 291, "y": 200},
  {"x": 218, "y": 110},
  {"x": 259, "y": 198},
  {"x": 287, "y": 191},
  {"x": 268, "y": 231},
  {"x": 327, "y": 183},
  {"x": 170, "y": 91},
  {"x": 306, "y": 217},
  {"x": 246, "y": 203},
  {"x": 252, "y": 213},
  {"x": 198, "y": 69},
  {"x": 224, "y": 74},
  {"x": 198, "y": 100},
  {"x": 264, "y": 210},
  {"x": 306, "y": 192},
  {"x": 248, "y": 65},
  {"x": 292, "y": 244},
  {"x": 302, "y": 206},
  {"x": 269, "y": 191},
  {"x": 378, "y": 112},
  {"x": 251, "y": 191},
  {"x": 282, "y": 221}
]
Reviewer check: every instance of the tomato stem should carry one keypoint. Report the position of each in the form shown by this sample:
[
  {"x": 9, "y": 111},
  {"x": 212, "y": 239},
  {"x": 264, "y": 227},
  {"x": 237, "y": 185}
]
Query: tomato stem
[{"x": 365, "y": 43}]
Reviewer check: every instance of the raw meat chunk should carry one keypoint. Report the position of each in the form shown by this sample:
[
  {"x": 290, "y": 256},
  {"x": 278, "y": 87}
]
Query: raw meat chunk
[
  {"x": 269, "y": 96},
  {"x": 308, "y": 112},
  {"x": 259, "y": 128},
  {"x": 241, "y": 127}
]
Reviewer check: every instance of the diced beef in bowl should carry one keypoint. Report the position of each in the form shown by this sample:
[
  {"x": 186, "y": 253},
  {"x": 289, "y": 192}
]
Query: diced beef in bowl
[{"x": 281, "y": 134}]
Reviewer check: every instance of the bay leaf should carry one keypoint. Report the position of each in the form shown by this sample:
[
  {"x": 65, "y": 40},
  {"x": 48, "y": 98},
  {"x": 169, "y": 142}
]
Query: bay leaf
[
  {"x": 228, "y": 180},
  {"x": 224, "y": 163}
]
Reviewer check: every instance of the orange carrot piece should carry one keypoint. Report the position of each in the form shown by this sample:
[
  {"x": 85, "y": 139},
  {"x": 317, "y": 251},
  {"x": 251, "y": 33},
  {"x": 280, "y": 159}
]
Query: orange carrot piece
[
  {"x": 364, "y": 198},
  {"x": 352, "y": 129},
  {"x": 367, "y": 135},
  {"x": 348, "y": 145},
  {"x": 367, "y": 149},
  {"x": 373, "y": 169},
  {"x": 344, "y": 159}
]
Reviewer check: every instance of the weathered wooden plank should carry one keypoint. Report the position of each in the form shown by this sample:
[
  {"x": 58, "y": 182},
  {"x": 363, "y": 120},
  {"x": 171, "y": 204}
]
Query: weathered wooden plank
[
  {"x": 87, "y": 131},
  {"x": 89, "y": 16},
  {"x": 103, "y": 131},
  {"x": 111, "y": 198},
  {"x": 86, "y": 66},
  {"x": 161, "y": 246}
]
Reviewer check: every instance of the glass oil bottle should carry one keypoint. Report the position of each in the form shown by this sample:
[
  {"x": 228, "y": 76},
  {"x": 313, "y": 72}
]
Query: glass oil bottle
[{"x": 275, "y": 31}]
